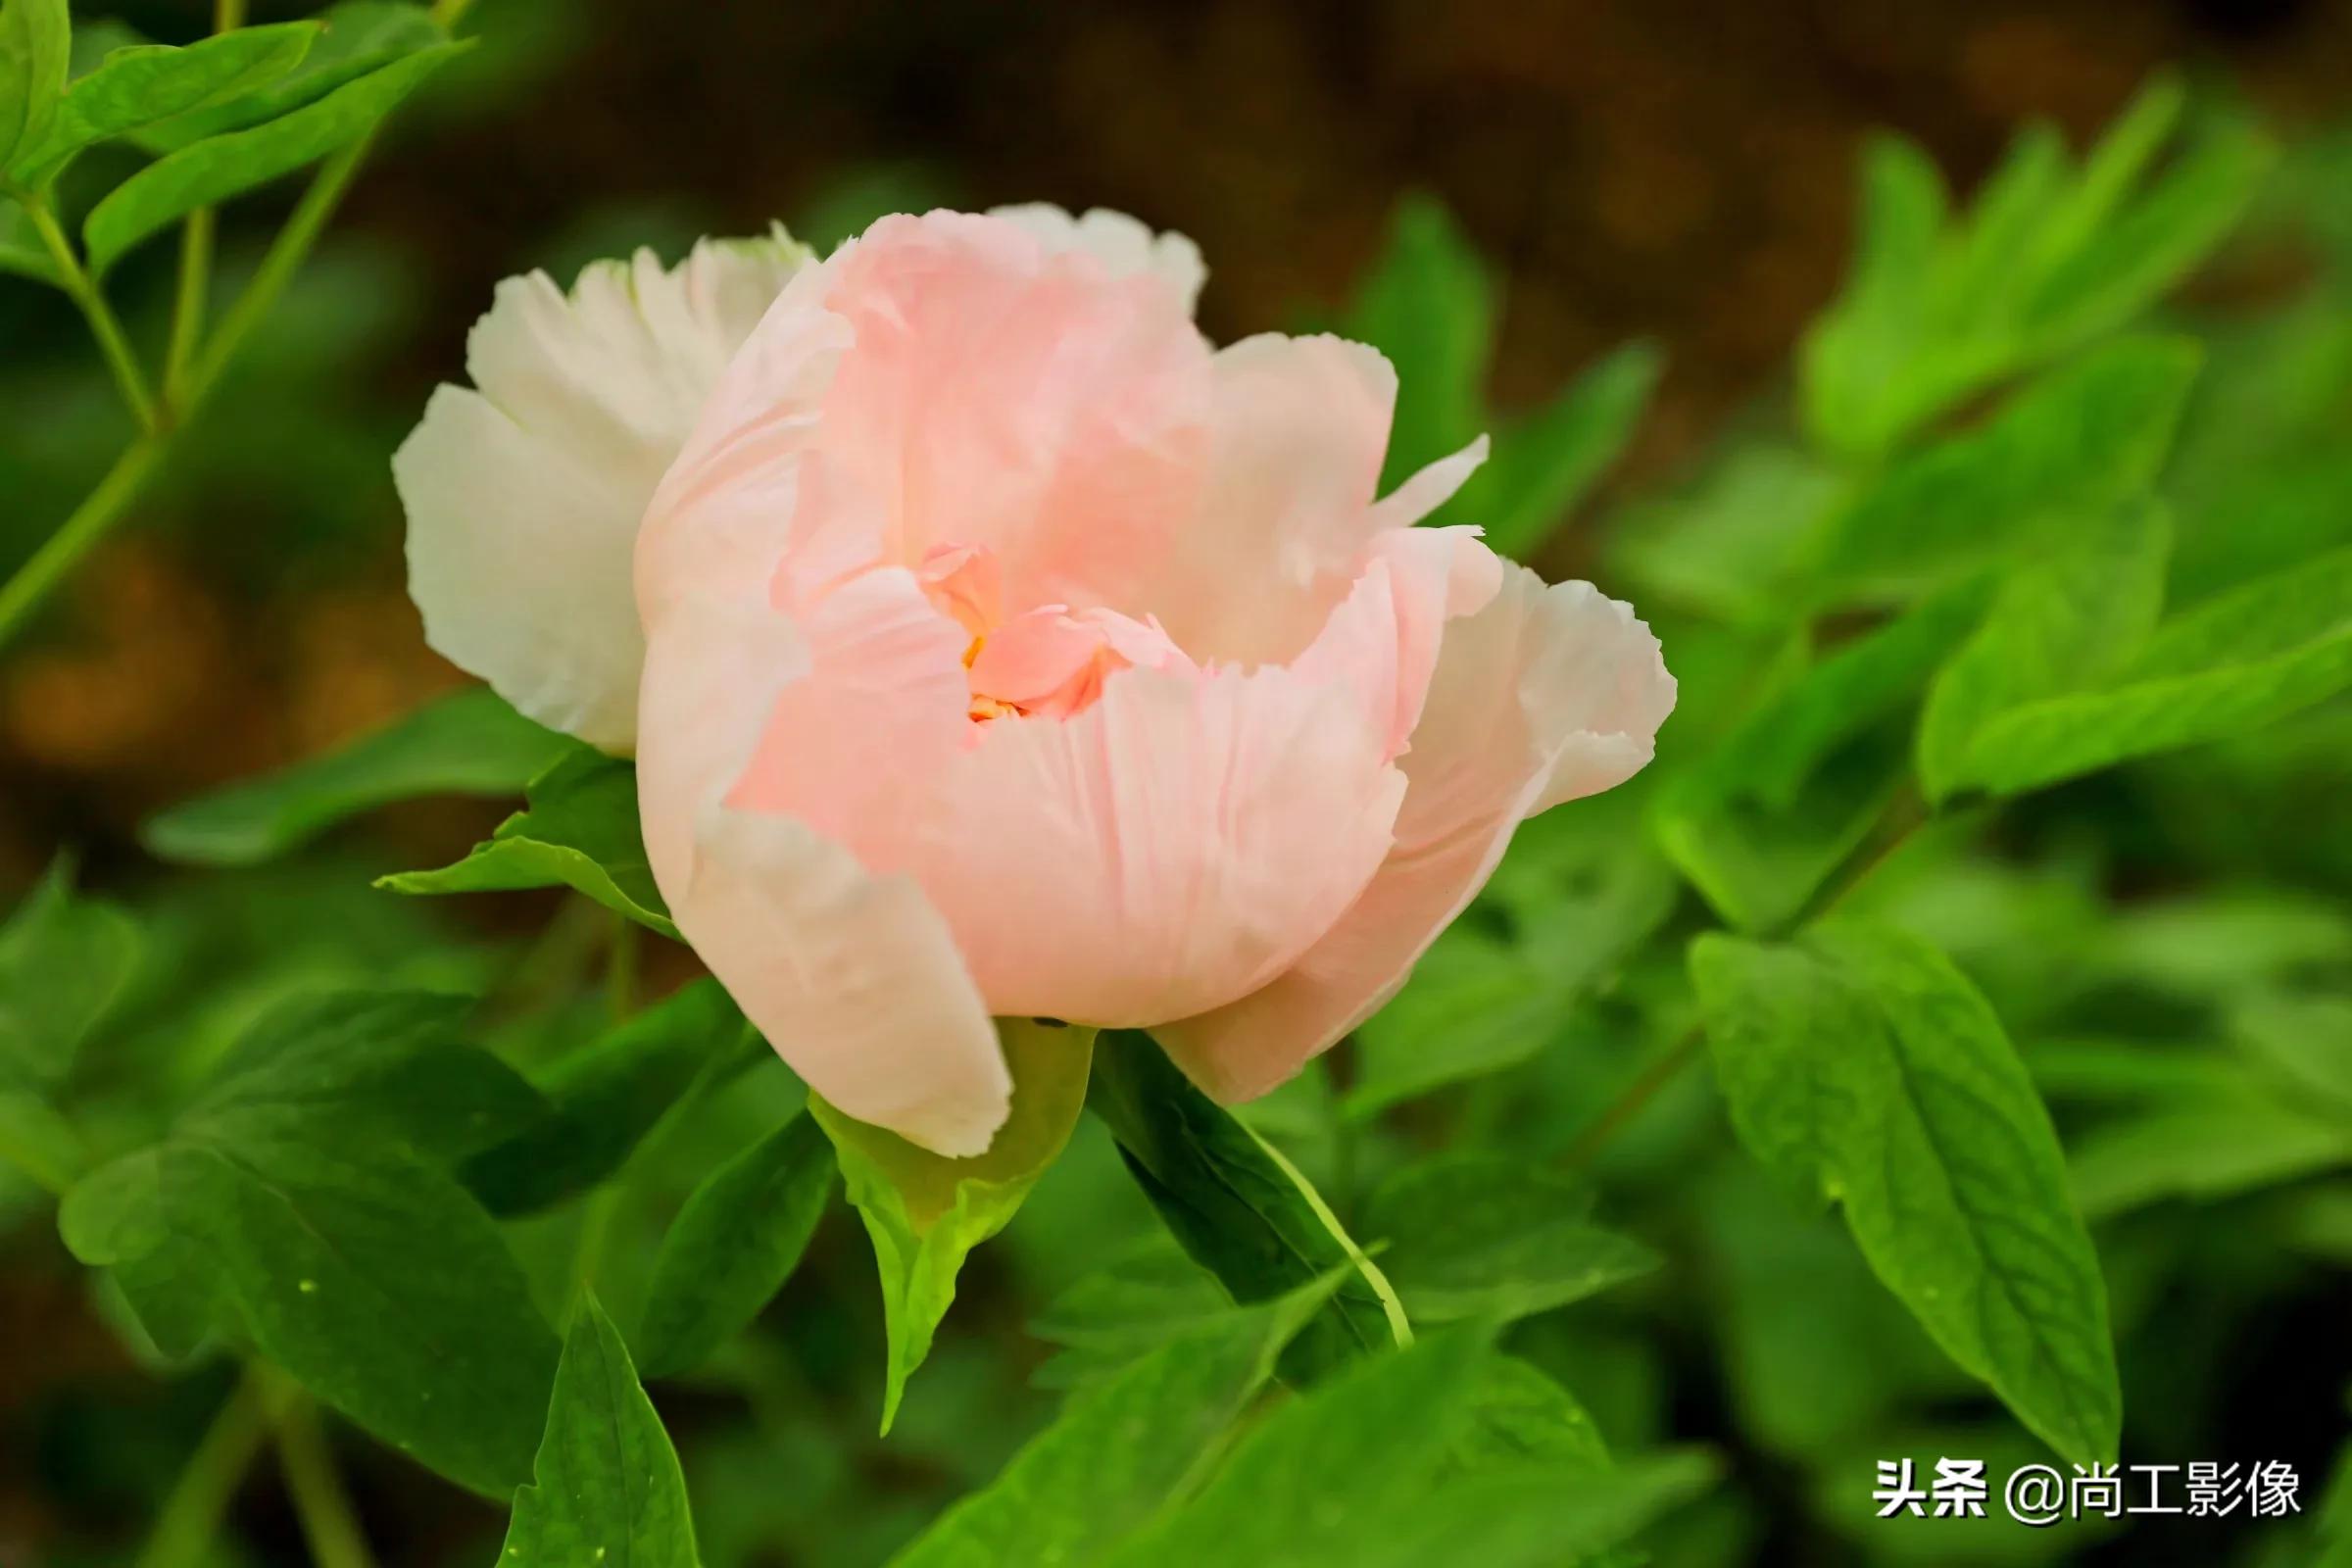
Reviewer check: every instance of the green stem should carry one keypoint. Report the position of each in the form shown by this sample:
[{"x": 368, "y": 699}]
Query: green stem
[
  {"x": 85, "y": 293},
  {"x": 324, "y": 1508},
  {"x": 90, "y": 522},
  {"x": 284, "y": 257},
  {"x": 184, "y": 1531},
  {"x": 187, "y": 304}
]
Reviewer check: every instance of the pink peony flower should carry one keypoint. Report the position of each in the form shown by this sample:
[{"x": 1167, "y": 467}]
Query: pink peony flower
[{"x": 1006, "y": 649}]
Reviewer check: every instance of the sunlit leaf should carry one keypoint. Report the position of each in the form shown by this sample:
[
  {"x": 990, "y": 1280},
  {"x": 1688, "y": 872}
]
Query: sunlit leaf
[
  {"x": 2087, "y": 436},
  {"x": 2058, "y": 626},
  {"x": 733, "y": 1245},
  {"x": 469, "y": 743},
  {"x": 579, "y": 831},
  {"x": 926, "y": 1213},
  {"x": 1860, "y": 1063},
  {"x": 607, "y": 1487},
  {"x": 35, "y": 44},
  {"x": 358, "y": 37},
  {"x": 220, "y": 166},
  {"x": 144, "y": 84},
  {"x": 2237, "y": 662}
]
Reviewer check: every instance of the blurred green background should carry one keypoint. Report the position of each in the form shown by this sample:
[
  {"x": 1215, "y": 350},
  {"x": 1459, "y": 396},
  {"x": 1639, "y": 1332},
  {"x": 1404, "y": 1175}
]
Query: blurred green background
[{"x": 1680, "y": 171}]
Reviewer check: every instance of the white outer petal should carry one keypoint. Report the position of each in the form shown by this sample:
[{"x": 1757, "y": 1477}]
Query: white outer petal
[
  {"x": 523, "y": 493},
  {"x": 1124, "y": 245}
]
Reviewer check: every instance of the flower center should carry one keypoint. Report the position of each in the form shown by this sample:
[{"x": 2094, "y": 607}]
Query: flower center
[{"x": 1049, "y": 662}]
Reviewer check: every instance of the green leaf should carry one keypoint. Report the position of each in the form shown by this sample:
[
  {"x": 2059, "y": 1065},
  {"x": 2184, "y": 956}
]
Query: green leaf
[
  {"x": 925, "y": 1212},
  {"x": 2219, "y": 1144},
  {"x": 144, "y": 84},
  {"x": 1730, "y": 543},
  {"x": 1288, "y": 1491},
  {"x": 1543, "y": 466},
  {"x": 290, "y": 1206},
  {"x": 2075, "y": 443},
  {"x": 1140, "y": 1301},
  {"x": 469, "y": 743},
  {"x": 210, "y": 171},
  {"x": 2058, "y": 626},
  {"x": 64, "y": 961},
  {"x": 1429, "y": 305},
  {"x": 1119, "y": 1453},
  {"x": 601, "y": 1100},
  {"x": 1761, "y": 821},
  {"x": 1539, "y": 1519},
  {"x": 1482, "y": 1236},
  {"x": 2238, "y": 661},
  {"x": 36, "y": 44},
  {"x": 391, "y": 1065},
  {"x": 1236, "y": 1207},
  {"x": 607, "y": 1487},
  {"x": 580, "y": 831},
  {"x": 734, "y": 1243},
  {"x": 359, "y": 37},
  {"x": 1519, "y": 1414},
  {"x": 1861, "y": 1063},
  {"x": 2050, "y": 258}
]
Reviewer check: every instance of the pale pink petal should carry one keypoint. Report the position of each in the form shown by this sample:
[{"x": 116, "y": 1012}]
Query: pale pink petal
[
  {"x": 1125, "y": 246},
  {"x": 1272, "y": 546},
  {"x": 1382, "y": 640},
  {"x": 1545, "y": 695},
  {"x": 853, "y": 978},
  {"x": 523, "y": 493},
  {"x": 1431, "y": 488},
  {"x": 1172, "y": 847}
]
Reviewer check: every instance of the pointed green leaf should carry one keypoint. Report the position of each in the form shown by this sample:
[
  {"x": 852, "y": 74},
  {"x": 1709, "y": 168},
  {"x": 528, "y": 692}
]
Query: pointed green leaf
[
  {"x": 1539, "y": 1517},
  {"x": 359, "y": 37},
  {"x": 1862, "y": 1063},
  {"x": 1304, "y": 1487},
  {"x": 469, "y": 743},
  {"x": 2244, "y": 660},
  {"x": 212, "y": 171},
  {"x": 605, "y": 1487},
  {"x": 580, "y": 831},
  {"x": 2084, "y": 438},
  {"x": 2058, "y": 626},
  {"x": 1543, "y": 466},
  {"x": 137, "y": 86},
  {"x": 603, "y": 1098},
  {"x": 35, "y": 44},
  {"x": 1122, "y": 1451},
  {"x": 1429, "y": 305},
  {"x": 290, "y": 1206},
  {"x": 1868, "y": 339},
  {"x": 64, "y": 961},
  {"x": 1480, "y": 1235},
  {"x": 1519, "y": 1415},
  {"x": 1241, "y": 1212},
  {"x": 734, "y": 1243},
  {"x": 926, "y": 1213},
  {"x": 1758, "y": 824}
]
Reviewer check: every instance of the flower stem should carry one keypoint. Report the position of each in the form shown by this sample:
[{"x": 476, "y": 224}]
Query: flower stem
[
  {"x": 321, "y": 1503},
  {"x": 90, "y": 522},
  {"x": 191, "y": 1514},
  {"x": 85, "y": 293}
]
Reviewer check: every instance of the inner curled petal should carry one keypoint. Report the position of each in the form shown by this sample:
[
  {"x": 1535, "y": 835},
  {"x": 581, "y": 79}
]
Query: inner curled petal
[{"x": 1051, "y": 661}]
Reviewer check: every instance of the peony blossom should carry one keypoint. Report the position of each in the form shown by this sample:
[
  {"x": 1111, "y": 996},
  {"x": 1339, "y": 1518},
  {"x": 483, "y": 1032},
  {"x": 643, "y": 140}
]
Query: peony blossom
[{"x": 1000, "y": 648}]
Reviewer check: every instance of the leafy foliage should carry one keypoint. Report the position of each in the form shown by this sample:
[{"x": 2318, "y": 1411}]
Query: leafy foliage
[
  {"x": 469, "y": 743},
  {"x": 1860, "y": 1063},
  {"x": 926, "y": 1213}
]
